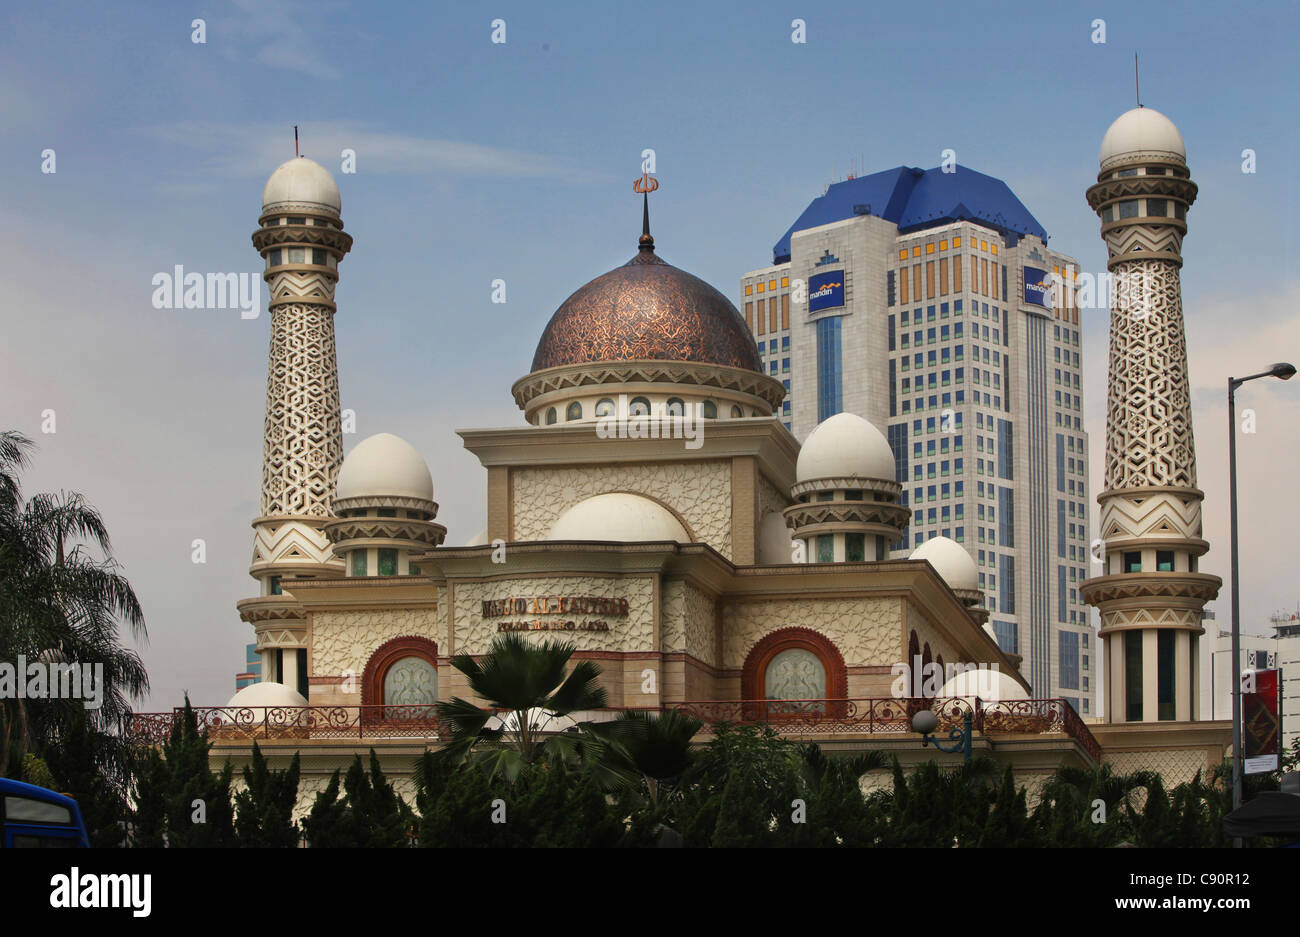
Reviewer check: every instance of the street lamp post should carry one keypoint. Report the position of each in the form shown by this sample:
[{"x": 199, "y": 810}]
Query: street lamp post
[
  {"x": 1285, "y": 372},
  {"x": 925, "y": 722}
]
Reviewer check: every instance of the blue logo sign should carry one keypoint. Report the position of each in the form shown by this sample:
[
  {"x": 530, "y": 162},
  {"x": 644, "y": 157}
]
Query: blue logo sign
[
  {"x": 826, "y": 290},
  {"x": 1038, "y": 287}
]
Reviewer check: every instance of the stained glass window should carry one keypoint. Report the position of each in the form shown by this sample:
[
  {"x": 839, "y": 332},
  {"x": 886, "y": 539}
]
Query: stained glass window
[
  {"x": 412, "y": 681},
  {"x": 796, "y": 674}
]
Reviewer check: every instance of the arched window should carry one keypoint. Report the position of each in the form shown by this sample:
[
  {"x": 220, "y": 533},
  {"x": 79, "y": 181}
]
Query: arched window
[
  {"x": 639, "y": 406},
  {"x": 710, "y": 410},
  {"x": 400, "y": 682},
  {"x": 574, "y": 412},
  {"x": 605, "y": 407},
  {"x": 550, "y": 416},
  {"x": 675, "y": 406},
  {"x": 736, "y": 412},
  {"x": 795, "y": 664}
]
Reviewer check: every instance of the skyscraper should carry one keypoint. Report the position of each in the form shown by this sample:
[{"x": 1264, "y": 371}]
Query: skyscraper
[
  {"x": 1150, "y": 594},
  {"x": 921, "y": 301},
  {"x": 300, "y": 237}
]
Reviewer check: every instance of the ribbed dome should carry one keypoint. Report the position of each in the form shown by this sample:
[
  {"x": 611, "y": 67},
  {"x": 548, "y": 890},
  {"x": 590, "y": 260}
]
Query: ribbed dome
[
  {"x": 267, "y": 694},
  {"x": 845, "y": 445},
  {"x": 647, "y": 310},
  {"x": 951, "y": 561},
  {"x": 384, "y": 465},
  {"x": 1142, "y": 131},
  {"x": 302, "y": 183},
  {"x": 618, "y": 516}
]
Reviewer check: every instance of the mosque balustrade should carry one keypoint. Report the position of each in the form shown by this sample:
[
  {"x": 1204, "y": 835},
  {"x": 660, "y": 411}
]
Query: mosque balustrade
[
  {"x": 292, "y": 722},
  {"x": 891, "y": 715},
  {"x": 803, "y": 717}
]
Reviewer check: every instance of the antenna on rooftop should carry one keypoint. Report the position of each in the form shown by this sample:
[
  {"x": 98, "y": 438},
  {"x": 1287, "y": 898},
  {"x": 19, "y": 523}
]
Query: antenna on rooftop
[
  {"x": 1137, "y": 89},
  {"x": 295, "y": 141}
]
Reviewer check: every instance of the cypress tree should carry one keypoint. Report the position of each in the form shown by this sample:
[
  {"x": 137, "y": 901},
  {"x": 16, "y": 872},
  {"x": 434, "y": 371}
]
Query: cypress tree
[{"x": 264, "y": 809}]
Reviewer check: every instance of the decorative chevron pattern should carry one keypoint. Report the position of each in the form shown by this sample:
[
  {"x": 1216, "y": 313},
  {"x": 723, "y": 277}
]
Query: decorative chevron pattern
[
  {"x": 1127, "y": 239},
  {"x": 1155, "y": 514},
  {"x": 529, "y": 388},
  {"x": 278, "y": 541},
  {"x": 304, "y": 438},
  {"x": 289, "y": 286},
  {"x": 1161, "y": 618},
  {"x": 1148, "y": 420}
]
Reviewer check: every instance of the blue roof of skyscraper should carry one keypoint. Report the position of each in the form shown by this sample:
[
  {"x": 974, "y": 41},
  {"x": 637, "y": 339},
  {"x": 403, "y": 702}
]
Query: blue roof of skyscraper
[{"x": 915, "y": 199}]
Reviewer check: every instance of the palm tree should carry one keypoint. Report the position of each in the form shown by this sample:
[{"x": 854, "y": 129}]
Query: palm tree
[
  {"x": 652, "y": 749},
  {"x": 60, "y": 603},
  {"x": 528, "y": 696}
]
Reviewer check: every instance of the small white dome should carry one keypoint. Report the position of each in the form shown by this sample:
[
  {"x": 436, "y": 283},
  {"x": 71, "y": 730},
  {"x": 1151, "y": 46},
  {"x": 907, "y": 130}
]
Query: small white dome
[
  {"x": 951, "y": 561},
  {"x": 845, "y": 445},
  {"x": 619, "y": 516},
  {"x": 302, "y": 182},
  {"x": 384, "y": 465},
  {"x": 991, "y": 686},
  {"x": 988, "y": 629},
  {"x": 267, "y": 694},
  {"x": 775, "y": 545},
  {"x": 1142, "y": 130}
]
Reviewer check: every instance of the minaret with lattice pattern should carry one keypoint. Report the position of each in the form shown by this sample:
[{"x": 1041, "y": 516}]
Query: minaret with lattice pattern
[
  {"x": 1150, "y": 593},
  {"x": 301, "y": 239}
]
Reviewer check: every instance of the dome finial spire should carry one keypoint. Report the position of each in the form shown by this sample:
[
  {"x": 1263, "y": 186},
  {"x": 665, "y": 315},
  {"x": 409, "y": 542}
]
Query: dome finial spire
[{"x": 645, "y": 185}]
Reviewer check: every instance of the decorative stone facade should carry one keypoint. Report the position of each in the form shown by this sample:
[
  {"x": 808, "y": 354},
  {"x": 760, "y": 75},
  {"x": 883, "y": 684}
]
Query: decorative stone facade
[
  {"x": 698, "y": 492},
  {"x": 342, "y": 641}
]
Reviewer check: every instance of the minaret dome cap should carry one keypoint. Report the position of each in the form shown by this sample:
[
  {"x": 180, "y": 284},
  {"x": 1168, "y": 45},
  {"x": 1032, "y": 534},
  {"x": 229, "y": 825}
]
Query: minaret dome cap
[
  {"x": 301, "y": 183},
  {"x": 1142, "y": 131}
]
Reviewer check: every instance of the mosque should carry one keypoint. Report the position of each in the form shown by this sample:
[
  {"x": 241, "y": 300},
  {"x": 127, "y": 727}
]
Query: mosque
[{"x": 651, "y": 508}]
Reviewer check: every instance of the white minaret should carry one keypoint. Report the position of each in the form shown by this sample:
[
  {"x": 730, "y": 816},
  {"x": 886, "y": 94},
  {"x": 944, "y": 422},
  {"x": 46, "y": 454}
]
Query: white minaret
[
  {"x": 300, "y": 236},
  {"x": 1150, "y": 593}
]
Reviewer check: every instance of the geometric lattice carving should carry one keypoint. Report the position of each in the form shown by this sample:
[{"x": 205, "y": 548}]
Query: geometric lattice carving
[
  {"x": 304, "y": 437},
  {"x": 1148, "y": 418}
]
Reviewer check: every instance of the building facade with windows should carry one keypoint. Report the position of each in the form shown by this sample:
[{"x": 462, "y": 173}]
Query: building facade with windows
[{"x": 921, "y": 300}]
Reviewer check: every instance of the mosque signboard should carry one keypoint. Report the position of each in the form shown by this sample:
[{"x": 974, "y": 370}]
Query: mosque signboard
[{"x": 552, "y": 608}]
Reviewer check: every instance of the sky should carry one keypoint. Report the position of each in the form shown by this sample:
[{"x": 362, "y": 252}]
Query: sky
[{"x": 478, "y": 161}]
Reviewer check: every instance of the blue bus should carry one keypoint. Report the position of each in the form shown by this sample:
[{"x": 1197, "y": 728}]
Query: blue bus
[{"x": 33, "y": 817}]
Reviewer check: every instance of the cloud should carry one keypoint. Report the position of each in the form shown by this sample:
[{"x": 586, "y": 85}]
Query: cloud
[
  {"x": 282, "y": 40},
  {"x": 246, "y": 150}
]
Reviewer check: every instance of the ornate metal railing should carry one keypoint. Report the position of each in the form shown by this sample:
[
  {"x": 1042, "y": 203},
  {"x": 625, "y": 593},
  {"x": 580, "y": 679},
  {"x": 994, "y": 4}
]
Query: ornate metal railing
[
  {"x": 888, "y": 715},
  {"x": 826, "y": 716},
  {"x": 811, "y": 717},
  {"x": 293, "y": 722}
]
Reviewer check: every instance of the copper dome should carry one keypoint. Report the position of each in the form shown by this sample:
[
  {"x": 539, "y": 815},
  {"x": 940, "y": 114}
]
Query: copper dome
[{"x": 647, "y": 310}]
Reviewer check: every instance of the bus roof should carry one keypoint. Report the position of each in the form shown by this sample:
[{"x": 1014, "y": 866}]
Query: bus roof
[{"x": 23, "y": 789}]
